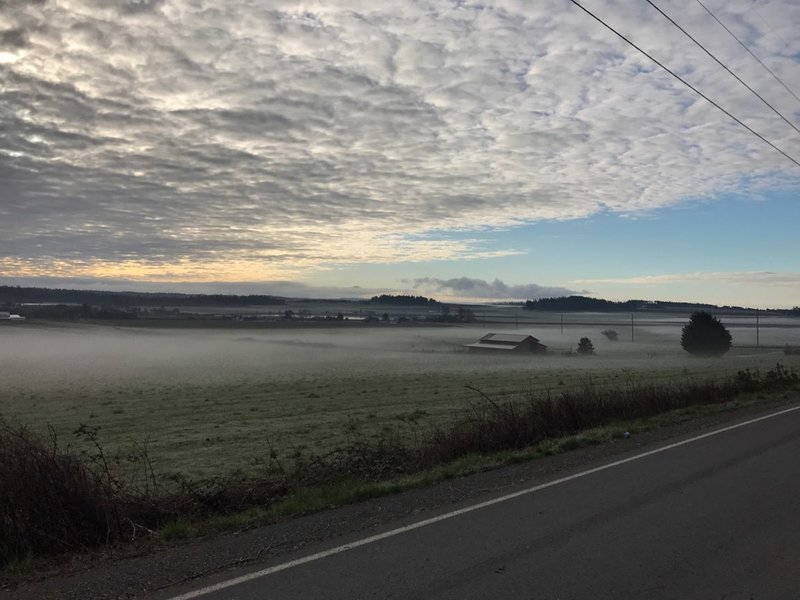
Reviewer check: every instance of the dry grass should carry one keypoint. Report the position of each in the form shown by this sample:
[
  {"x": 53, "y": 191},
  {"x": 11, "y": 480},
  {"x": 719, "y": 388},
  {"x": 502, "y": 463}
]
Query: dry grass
[
  {"x": 59, "y": 500},
  {"x": 52, "y": 500}
]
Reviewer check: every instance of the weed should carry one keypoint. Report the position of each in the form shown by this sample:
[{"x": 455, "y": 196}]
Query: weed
[
  {"x": 19, "y": 565},
  {"x": 498, "y": 424},
  {"x": 176, "y": 530},
  {"x": 53, "y": 500}
]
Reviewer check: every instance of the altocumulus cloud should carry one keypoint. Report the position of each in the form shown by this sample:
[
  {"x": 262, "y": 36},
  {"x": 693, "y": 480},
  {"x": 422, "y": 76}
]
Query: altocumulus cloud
[{"x": 204, "y": 140}]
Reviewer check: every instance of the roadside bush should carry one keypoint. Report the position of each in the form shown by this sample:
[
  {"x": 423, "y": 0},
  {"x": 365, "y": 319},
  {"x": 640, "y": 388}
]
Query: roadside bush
[
  {"x": 494, "y": 425},
  {"x": 705, "y": 335},
  {"x": 51, "y": 501}
]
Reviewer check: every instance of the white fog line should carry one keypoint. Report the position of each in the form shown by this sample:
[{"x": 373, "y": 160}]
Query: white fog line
[{"x": 382, "y": 536}]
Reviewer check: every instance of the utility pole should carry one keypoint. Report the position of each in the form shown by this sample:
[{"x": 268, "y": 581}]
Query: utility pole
[
  {"x": 562, "y": 323},
  {"x": 631, "y": 327},
  {"x": 758, "y": 337}
]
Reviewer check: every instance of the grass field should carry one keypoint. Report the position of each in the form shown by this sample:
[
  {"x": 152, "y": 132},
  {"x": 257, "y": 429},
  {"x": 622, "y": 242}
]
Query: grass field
[{"x": 210, "y": 402}]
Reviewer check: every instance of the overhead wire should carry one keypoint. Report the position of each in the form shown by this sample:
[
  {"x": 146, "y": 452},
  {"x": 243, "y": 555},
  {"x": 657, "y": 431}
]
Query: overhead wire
[
  {"x": 684, "y": 82},
  {"x": 750, "y": 52},
  {"x": 721, "y": 64}
]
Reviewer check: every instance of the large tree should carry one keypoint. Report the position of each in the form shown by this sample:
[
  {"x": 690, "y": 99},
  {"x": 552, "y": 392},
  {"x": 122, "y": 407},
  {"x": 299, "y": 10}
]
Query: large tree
[
  {"x": 585, "y": 346},
  {"x": 705, "y": 335}
]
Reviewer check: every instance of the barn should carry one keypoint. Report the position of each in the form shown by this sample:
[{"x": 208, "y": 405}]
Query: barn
[{"x": 507, "y": 342}]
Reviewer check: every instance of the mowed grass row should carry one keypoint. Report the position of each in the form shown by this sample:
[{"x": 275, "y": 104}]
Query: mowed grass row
[{"x": 237, "y": 424}]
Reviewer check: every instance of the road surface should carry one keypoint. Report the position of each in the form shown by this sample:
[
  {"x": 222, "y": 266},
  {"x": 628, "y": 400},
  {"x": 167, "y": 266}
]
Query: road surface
[{"x": 716, "y": 517}]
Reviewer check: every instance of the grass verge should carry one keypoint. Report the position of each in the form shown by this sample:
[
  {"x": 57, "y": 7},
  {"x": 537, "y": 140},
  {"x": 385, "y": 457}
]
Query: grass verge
[
  {"x": 313, "y": 499},
  {"x": 61, "y": 501}
]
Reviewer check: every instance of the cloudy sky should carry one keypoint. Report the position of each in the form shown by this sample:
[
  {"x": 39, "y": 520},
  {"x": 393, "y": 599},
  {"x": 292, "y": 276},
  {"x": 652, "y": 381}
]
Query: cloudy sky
[{"x": 507, "y": 149}]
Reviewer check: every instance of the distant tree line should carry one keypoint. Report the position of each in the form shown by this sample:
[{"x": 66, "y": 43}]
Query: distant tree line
[
  {"x": 403, "y": 300},
  {"x": 71, "y": 312},
  {"x": 586, "y": 304},
  {"x": 583, "y": 304},
  {"x": 12, "y": 295},
  {"x": 459, "y": 315}
]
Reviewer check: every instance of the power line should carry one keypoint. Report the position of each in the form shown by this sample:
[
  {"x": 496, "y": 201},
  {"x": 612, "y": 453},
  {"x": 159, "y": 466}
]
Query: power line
[
  {"x": 733, "y": 35},
  {"x": 683, "y": 81},
  {"x": 721, "y": 64}
]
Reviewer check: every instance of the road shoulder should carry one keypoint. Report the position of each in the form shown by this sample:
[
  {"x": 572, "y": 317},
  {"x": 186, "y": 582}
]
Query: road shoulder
[{"x": 172, "y": 569}]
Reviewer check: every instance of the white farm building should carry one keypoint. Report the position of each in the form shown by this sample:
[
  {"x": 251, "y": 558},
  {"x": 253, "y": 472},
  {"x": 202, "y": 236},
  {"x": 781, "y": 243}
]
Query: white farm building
[{"x": 7, "y": 316}]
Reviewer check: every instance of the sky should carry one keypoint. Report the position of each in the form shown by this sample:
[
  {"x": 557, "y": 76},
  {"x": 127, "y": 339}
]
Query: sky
[{"x": 464, "y": 150}]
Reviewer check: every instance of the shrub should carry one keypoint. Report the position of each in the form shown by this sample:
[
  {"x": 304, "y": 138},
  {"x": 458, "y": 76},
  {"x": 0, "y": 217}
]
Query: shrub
[
  {"x": 585, "y": 346},
  {"x": 705, "y": 335},
  {"x": 51, "y": 500},
  {"x": 610, "y": 334},
  {"x": 502, "y": 424}
]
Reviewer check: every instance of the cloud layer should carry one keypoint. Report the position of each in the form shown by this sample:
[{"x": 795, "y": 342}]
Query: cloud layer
[
  {"x": 244, "y": 140},
  {"x": 768, "y": 279},
  {"x": 469, "y": 288}
]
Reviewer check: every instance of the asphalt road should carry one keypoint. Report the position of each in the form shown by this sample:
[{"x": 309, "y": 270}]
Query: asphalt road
[{"x": 715, "y": 518}]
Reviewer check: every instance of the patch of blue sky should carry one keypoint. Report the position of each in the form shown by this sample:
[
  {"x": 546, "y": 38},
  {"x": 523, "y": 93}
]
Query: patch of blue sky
[
  {"x": 727, "y": 234},
  {"x": 731, "y": 233}
]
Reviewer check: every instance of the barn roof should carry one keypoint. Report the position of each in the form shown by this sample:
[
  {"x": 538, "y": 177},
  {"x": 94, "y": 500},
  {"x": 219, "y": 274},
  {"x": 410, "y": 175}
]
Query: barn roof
[
  {"x": 509, "y": 342},
  {"x": 484, "y": 346},
  {"x": 506, "y": 338}
]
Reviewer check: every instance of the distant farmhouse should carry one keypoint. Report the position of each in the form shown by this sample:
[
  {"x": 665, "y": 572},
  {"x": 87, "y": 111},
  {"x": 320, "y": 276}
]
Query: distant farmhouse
[
  {"x": 507, "y": 342},
  {"x": 7, "y": 316}
]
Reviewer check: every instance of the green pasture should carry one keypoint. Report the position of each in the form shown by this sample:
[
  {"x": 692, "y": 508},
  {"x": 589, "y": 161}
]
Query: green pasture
[{"x": 215, "y": 402}]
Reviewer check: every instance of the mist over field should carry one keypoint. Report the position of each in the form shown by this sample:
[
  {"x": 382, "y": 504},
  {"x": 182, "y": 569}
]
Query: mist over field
[
  {"x": 212, "y": 400},
  {"x": 64, "y": 355},
  {"x": 85, "y": 355}
]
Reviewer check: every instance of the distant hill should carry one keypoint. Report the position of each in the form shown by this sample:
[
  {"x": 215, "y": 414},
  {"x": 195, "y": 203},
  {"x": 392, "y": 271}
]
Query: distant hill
[
  {"x": 583, "y": 304},
  {"x": 586, "y": 304},
  {"x": 11, "y": 295}
]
